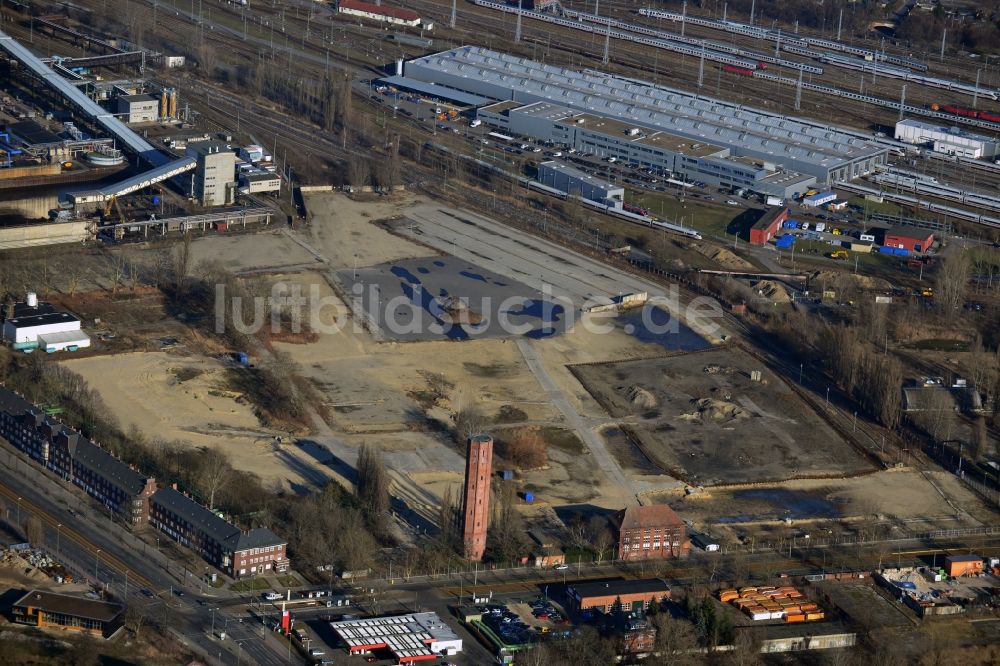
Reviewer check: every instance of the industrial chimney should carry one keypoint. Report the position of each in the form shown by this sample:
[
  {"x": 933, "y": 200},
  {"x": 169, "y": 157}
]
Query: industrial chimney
[
  {"x": 164, "y": 104},
  {"x": 399, "y": 67}
]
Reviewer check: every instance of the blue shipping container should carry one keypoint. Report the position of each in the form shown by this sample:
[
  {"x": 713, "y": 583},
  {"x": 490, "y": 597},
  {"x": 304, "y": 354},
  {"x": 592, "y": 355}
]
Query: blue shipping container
[
  {"x": 885, "y": 249},
  {"x": 242, "y": 358},
  {"x": 507, "y": 475},
  {"x": 529, "y": 496},
  {"x": 902, "y": 252}
]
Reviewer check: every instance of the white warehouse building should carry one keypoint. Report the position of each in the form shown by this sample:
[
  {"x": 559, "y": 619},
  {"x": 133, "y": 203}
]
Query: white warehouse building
[
  {"x": 567, "y": 179},
  {"x": 34, "y": 325},
  {"x": 549, "y": 99},
  {"x": 947, "y": 140}
]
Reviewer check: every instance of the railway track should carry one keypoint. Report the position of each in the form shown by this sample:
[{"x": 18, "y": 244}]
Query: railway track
[{"x": 66, "y": 531}]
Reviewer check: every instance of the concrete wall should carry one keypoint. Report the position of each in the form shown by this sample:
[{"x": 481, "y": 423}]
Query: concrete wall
[
  {"x": 51, "y": 233},
  {"x": 34, "y": 170}
]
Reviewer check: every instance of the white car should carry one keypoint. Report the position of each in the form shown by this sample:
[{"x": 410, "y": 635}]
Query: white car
[
  {"x": 562, "y": 567},
  {"x": 730, "y": 202},
  {"x": 557, "y": 154},
  {"x": 536, "y": 149}
]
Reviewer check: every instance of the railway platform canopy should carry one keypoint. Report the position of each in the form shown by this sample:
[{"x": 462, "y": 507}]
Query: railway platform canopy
[{"x": 435, "y": 91}]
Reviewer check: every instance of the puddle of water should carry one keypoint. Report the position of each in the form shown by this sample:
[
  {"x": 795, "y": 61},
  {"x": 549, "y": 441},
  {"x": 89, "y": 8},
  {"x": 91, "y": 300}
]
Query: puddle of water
[
  {"x": 547, "y": 311},
  {"x": 404, "y": 274},
  {"x": 472, "y": 276},
  {"x": 794, "y": 504},
  {"x": 653, "y": 324},
  {"x": 627, "y": 453}
]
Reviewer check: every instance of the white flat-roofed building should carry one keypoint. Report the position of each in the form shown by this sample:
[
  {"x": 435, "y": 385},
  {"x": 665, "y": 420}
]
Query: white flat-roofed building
[
  {"x": 663, "y": 151},
  {"x": 27, "y": 325},
  {"x": 259, "y": 181},
  {"x": 140, "y": 108},
  {"x": 410, "y": 638},
  {"x": 575, "y": 182},
  {"x": 947, "y": 140}
]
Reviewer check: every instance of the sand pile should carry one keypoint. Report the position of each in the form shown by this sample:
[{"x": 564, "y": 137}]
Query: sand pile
[
  {"x": 773, "y": 291},
  {"x": 640, "y": 398},
  {"x": 456, "y": 311},
  {"x": 715, "y": 410},
  {"x": 725, "y": 258},
  {"x": 831, "y": 278}
]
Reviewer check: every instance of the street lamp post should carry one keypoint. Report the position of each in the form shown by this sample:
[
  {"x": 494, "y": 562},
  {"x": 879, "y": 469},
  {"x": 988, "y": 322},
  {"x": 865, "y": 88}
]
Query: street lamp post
[
  {"x": 18, "y": 513},
  {"x": 213, "y": 618},
  {"x": 58, "y": 535},
  {"x": 97, "y": 563}
]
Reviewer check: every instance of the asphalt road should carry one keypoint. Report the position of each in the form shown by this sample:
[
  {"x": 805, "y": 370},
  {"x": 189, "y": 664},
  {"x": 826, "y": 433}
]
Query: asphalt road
[{"x": 94, "y": 548}]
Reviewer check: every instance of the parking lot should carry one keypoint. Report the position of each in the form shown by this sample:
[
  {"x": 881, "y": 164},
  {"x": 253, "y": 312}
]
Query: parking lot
[{"x": 525, "y": 621}]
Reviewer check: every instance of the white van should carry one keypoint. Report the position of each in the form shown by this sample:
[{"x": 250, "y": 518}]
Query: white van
[
  {"x": 821, "y": 226},
  {"x": 476, "y": 123},
  {"x": 272, "y": 596}
]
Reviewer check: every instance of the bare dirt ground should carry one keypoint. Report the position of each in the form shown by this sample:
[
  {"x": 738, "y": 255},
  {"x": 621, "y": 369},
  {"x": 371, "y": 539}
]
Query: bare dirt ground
[
  {"x": 700, "y": 417},
  {"x": 183, "y": 398},
  {"x": 912, "y": 500}
]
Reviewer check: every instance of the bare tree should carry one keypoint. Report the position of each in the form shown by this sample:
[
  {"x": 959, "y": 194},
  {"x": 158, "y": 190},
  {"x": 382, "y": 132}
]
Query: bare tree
[
  {"x": 525, "y": 447},
  {"x": 506, "y": 540},
  {"x": 214, "y": 472},
  {"x": 373, "y": 486},
  {"x": 675, "y": 638},
  {"x": 119, "y": 266},
  {"x": 135, "y": 619},
  {"x": 448, "y": 520},
  {"x": 601, "y": 537},
  {"x": 33, "y": 531},
  {"x": 182, "y": 263},
  {"x": 952, "y": 281}
]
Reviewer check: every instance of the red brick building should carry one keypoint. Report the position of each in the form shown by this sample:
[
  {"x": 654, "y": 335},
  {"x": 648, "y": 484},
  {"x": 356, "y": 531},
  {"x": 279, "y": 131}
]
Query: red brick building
[
  {"x": 76, "y": 459},
  {"x": 646, "y": 532},
  {"x": 237, "y": 552},
  {"x": 917, "y": 241},
  {"x": 767, "y": 226},
  {"x": 624, "y": 595},
  {"x": 476, "y": 499}
]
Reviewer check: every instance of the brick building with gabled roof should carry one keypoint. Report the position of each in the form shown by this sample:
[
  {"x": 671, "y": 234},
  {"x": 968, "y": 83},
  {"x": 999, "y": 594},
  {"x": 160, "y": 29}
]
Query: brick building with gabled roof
[
  {"x": 237, "y": 552},
  {"x": 647, "y": 532},
  {"x": 75, "y": 458}
]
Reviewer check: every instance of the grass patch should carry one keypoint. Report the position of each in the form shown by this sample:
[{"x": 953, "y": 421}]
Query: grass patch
[
  {"x": 562, "y": 439},
  {"x": 251, "y": 585},
  {"x": 510, "y": 414},
  {"x": 186, "y": 374},
  {"x": 715, "y": 220},
  {"x": 217, "y": 583},
  {"x": 939, "y": 344},
  {"x": 288, "y": 581},
  {"x": 490, "y": 371},
  {"x": 885, "y": 207}
]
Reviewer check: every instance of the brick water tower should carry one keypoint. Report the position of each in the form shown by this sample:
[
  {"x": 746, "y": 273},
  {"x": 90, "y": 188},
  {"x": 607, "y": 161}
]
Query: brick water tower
[{"x": 476, "y": 500}]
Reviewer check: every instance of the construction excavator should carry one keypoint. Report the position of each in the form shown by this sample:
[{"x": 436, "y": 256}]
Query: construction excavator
[{"x": 113, "y": 203}]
